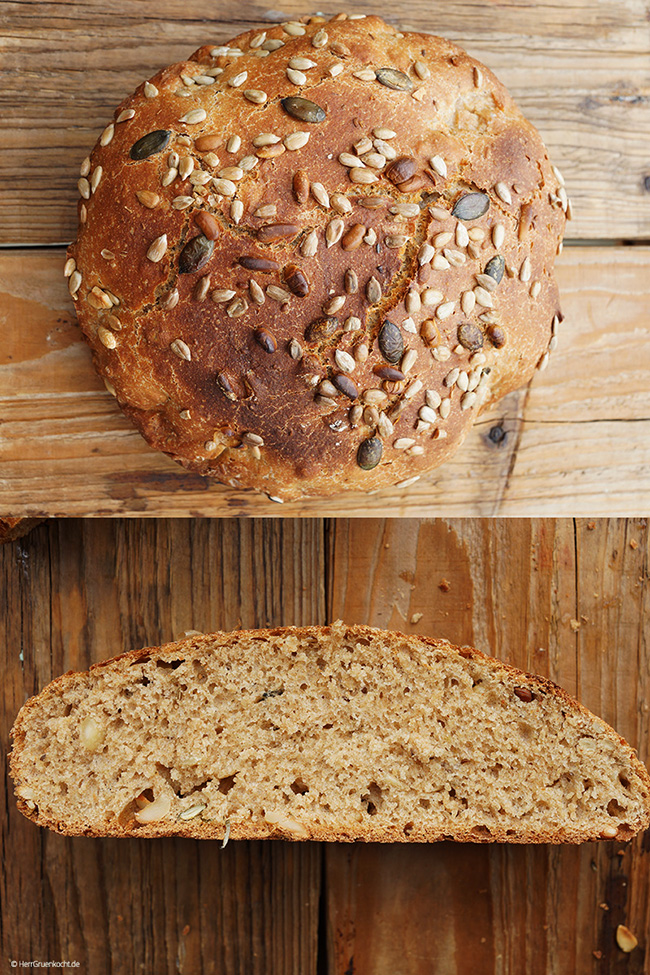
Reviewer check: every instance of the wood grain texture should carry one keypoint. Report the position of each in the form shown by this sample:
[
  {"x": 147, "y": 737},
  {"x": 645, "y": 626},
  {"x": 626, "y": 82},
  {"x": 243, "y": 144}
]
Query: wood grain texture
[
  {"x": 577, "y": 441},
  {"x": 74, "y": 593},
  {"x": 576, "y": 71},
  {"x": 564, "y": 599}
]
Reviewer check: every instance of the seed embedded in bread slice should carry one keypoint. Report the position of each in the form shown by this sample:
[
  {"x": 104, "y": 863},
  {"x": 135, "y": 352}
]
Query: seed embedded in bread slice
[{"x": 329, "y": 733}]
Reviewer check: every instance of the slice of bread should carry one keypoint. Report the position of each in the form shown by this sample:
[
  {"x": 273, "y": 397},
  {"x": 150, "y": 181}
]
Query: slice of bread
[{"x": 327, "y": 733}]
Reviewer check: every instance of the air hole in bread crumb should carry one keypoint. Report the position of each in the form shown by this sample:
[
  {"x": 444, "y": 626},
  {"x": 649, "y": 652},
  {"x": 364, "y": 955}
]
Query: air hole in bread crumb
[
  {"x": 373, "y": 799},
  {"x": 614, "y": 808},
  {"x": 408, "y": 829},
  {"x": 199, "y": 670},
  {"x": 481, "y": 831},
  {"x": 227, "y": 783},
  {"x": 425, "y": 803},
  {"x": 169, "y": 664},
  {"x": 299, "y": 788},
  {"x": 623, "y": 779}
]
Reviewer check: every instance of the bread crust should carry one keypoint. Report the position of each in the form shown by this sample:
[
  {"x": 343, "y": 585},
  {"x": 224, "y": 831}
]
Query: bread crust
[
  {"x": 202, "y": 382},
  {"x": 368, "y": 832}
]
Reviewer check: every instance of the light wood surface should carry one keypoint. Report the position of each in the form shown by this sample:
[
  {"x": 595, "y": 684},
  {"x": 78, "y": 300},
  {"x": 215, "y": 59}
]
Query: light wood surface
[
  {"x": 577, "y": 440},
  {"x": 577, "y": 70},
  {"x": 564, "y": 599}
]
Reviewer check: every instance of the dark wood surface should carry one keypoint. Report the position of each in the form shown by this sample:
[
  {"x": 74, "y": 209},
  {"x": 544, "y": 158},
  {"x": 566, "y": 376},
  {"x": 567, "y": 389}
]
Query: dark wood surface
[
  {"x": 577, "y": 438},
  {"x": 565, "y": 599}
]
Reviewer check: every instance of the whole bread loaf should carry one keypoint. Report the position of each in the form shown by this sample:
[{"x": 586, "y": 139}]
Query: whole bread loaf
[
  {"x": 309, "y": 257},
  {"x": 326, "y": 733}
]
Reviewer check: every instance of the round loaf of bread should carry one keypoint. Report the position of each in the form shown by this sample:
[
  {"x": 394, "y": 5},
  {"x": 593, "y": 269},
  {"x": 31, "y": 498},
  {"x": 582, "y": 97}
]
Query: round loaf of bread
[{"x": 307, "y": 259}]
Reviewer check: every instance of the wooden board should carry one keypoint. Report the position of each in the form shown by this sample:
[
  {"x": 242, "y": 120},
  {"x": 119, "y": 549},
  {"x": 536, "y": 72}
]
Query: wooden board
[
  {"x": 577, "y": 71},
  {"x": 566, "y": 599},
  {"x": 577, "y": 441}
]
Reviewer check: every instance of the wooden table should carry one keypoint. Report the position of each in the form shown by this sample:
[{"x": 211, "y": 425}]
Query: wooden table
[
  {"x": 567, "y": 599},
  {"x": 578, "y": 438}
]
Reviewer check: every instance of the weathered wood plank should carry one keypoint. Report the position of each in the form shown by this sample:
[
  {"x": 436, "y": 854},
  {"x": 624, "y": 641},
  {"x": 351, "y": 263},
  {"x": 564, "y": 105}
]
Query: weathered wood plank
[
  {"x": 576, "y": 71},
  {"x": 563, "y": 599},
  {"x": 74, "y": 593},
  {"x": 577, "y": 441}
]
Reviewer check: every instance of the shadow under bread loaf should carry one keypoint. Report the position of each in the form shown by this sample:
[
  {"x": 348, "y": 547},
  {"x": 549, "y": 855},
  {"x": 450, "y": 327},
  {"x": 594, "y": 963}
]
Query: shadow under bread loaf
[
  {"x": 308, "y": 258},
  {"x": 337, "y": 733}
]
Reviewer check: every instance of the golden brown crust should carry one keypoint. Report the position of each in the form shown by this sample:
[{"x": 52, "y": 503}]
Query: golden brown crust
[
  {"x": 511, "y": 677},
  {"x": 253, "y": 417}
]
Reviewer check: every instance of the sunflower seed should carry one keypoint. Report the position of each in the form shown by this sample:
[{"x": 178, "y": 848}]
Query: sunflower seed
[
  {"x": 498, "y": 235},
  {"x": 374, "y": 159},
  {"x": 525, "y": 270},
  {"x": 487, "y": 281},
  {"x": 371, "y": 237},
  {"x": 412, "y": 302},
  {"x": 221, "y": 296},
  {"x": 182, "y": 202},
  {"x": 195, "y": 254},
  {"x": 535, "y": 289},
  {"x": 406, "y": 209},
  {"x": 340, "y": 203},
  {"x": 150, "y": 91},
  {"x": 390, "y": 341},
  {"x": 408, "y": 361},
  {"x": 425, "y": 253},
  {"x": 157, "y": 249},
  {"x": 445, "y": 310},
  {"x": 180, "y": 349},
  {"x": 395, "y": 241},
  {"x": 403, "y": 443},
  {"x": 335, "y": 70},
  {"x": 440, "y": 263},
  {"x": 237, "y": 308},
  {"x": 468, "y": 400},
  {"x": 483, "y": 297},
  {"x": 320, "y": 194},
  {"x": 333, "y": 305},
  {"x": 392, "y": 78},
  {"x": 349, "y": 160},
  {"x": 361, "y": 352},
  {"x": 430, "y": 297},
  {"x": 296, "y": 77},
  {"x": 169, "y": 177},
  {"x": 107, "y": 135},
  {"x": 255, "y": 95},
  {"x": 236, "y": 211},
  {"x": 503, "y": 192},
  {"x": 438, "y": 165},
  {"x": 194, "y": 116},
  {"x": 257, "y": 294},
  {"x": 186, "y": 166},
  {"x": 125, "y": 115},
  {"x": 277, "y": 293},
  {"x": 237, "y": 80},
  {"x": 471, "y": 206},
  {"x": 303, "y": 109},
  {"x": 225, "y": 187},
  {"x": 201, "y": 288},
  {"x": 326, "y": 388},
  {"x": 296, "y": 140},
  {"x": 233, "y": 144},
  {"x": 364, "y": 176},
  {"x": 373, "y": 291},
  {"x": 451, "y": 377},
  {"x": 106, "y": 337},
  {"x": 421, "y": 70},
  {"x": 344, "y": 361},
  {"x": 369, "y": 453},
  {"x": 84, "y": 169},
  {"x": 233, "y": 173},
  {"x": 352, "y": 324},
  {"x": 84, "y": 188},
  {"x": 301, "y": 64},
  {"x": 445, "y": 408},
  {"x": 467, "y": 302},
  {"x": 293, "y": 28},
  {"x": 309, "y": 246},
  {"x": 364, "y": 74},
  {"x": 334, "y": 231},
  {"x": 295, "y": 349}
]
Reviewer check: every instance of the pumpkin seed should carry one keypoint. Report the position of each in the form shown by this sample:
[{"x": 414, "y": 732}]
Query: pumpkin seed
[
  {"x": 495, "y": 267},
  {"x": 303, "y": 109},
  {"x": 369, "y": 453},
  {"x": 392, "y": 78},
  {"x": 195, "y": 254},
  {"x": 391, "y": 343},
  {"x": 471, "y": 206},
  {"x": 150, "y": 144}
]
